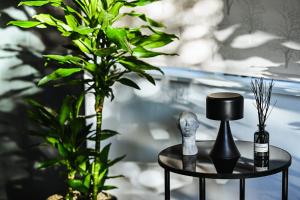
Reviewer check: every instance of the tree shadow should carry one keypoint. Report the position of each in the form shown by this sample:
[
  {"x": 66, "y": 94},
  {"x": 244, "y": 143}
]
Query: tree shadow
[
  {"x": 19, "y": 178},
  {"x": 279, "y": 31},
  {"x": 18, "y": 158}
]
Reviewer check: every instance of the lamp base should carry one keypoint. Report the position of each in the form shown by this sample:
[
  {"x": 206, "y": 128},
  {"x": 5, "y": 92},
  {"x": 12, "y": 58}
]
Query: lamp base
[
  {"x": 224, "y": 147},
  {"x": 224, "y": 166}
]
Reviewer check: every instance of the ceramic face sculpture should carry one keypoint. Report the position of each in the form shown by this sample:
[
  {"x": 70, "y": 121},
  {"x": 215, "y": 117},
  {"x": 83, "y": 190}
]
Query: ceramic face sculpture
[{"x": 188, "y": 124}]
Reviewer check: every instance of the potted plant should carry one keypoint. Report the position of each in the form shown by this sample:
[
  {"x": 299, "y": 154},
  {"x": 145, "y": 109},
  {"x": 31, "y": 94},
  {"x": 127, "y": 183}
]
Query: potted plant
[
  {"x": 66, "y": 131},
  {"x": 103, "y": 51}
]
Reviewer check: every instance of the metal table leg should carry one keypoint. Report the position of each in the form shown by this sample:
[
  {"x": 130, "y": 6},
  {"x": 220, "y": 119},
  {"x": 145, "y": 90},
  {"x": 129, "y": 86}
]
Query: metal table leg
[
  {"x": 167, "y": 185},
  {"x": 285, "y": 183},
  {"x": 242, "y": 189},
  {"x": 202, "y": 188}
]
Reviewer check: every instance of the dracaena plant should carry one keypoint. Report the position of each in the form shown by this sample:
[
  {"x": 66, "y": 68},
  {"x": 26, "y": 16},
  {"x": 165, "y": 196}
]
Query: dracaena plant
[
  {"x": 102, "y": 50},
  {"x": 66, "y": 131}
]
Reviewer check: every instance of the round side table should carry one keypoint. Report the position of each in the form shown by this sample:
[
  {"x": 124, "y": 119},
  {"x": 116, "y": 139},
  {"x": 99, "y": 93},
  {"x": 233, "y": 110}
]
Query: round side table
[{"x": 201, "y": 166}]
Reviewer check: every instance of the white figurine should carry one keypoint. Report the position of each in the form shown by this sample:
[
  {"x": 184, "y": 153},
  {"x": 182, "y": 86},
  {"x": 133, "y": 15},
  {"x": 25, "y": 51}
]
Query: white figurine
[{"x": 188, "y": 124}]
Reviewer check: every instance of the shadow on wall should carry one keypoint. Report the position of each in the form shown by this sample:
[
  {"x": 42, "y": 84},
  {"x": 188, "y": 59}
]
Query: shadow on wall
[
  {"x": 21, "y": 65},
  {"x": 244, "y": 37},
  {"x": 146, "y": 120},
  {"x": 17, "y": 160},
  {"x": 258, "y": 38}
]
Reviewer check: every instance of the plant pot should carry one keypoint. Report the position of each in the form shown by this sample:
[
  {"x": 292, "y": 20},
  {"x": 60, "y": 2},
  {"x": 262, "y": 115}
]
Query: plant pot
[
  {"x": 105, "y": 196},
  {"x": 101, "y": 196},
  {"x": 55, "y": 197}
]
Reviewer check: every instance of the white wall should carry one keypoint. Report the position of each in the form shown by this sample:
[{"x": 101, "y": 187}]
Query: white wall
[{"x": 147, "y": 121}]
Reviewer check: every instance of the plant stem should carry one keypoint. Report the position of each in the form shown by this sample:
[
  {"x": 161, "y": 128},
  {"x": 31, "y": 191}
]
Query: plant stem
[
  {"x": 98, "y": 109},
  {"x": 71, "y": 176},
  {"x": 99, "y": 101}
]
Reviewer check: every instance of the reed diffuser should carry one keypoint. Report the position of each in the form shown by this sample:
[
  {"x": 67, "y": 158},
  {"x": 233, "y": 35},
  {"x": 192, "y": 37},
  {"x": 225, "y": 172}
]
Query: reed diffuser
[{"x": 262, "y": 93}]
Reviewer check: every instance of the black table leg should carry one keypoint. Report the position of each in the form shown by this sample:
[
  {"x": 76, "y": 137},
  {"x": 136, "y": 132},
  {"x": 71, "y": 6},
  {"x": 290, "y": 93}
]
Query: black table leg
[
  {"x": 285, "y": 183},
  {"x": 242, "y": 189},
  {"x": 167, "y": 185},
  {"x": 202, "y": 188}
]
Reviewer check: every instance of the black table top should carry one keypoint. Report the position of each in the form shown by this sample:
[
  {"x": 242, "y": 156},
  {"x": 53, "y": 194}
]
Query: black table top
[{"x": 201, "y": 165}]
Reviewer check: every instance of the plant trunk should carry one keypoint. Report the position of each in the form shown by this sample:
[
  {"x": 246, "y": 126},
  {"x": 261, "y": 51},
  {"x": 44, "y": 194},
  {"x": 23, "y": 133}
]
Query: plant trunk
[
  {"x": 98, "y": 109},
  {"x": 71, "y": 176}
]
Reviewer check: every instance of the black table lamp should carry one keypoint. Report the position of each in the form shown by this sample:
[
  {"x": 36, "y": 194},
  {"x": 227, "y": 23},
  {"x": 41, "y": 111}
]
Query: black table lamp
[{"x": 224, "y": 107}]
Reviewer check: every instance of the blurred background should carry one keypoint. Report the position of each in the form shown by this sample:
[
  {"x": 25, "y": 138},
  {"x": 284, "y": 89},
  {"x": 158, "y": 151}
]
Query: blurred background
[{"x": 223, "y": 43}]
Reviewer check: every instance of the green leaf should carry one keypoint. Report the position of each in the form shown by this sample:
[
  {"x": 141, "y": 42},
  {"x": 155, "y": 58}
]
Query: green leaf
[
  {"x": 45, "y": 18},
  {"x": 141, "y": 52},
  {"x": 111, "y": 2},
  {"x": 117, "y": 176},
  {"x": 100, "y": 171},
  {"x": 78, "y": 103},
  {"x": 105, "y": 51},
  {"x": 102, "y": 176},
  {"x": 62, "y": 150},
  {"x": 105, "y": 134},
  {"x": 78, "y": 131},
  {"x": 75, "y": 183},
  {"x": 104, "y": 3},
  {"x": 52, "y": 21},
  {"x": 82, "y": 46},
  {"x": 87, "y": 181},
  {"x": 38, "y": 3},
  {"x": 104, "y": 153},
  {"x": 134, "y": 35},
  {"x": 138, "y": 2},
  {"x": 24, "y": 24},
  {"x": 56, "y": 3},
  {"x": 148, "y": 77},
  {"x": 82, "y": 5},
  {"x": 133, "y": 64},
  {"x": 71, "y": 10},
  {"x": 43, "y": 115},
  {"x": 70, "y": 59},
  {"x": 90, "y": 67},
  {"x": 155, "y": 40},
  {"x": 109, "y": 187},
  {"x": 111, "y": 163},
  {"x": 96, "y": 166},
  {"x": 71, "y": 20},
  {"x": 83, "y": 30},
  {"x": 139, "y": 67},
  {"x": 119, "y": 37},
  {"x": 33, "y": 3},
  {"x": 52, "y": 140},
  {"x": 115, "y": 9},
  {"x": 104, "y": 19},
  {"x": 58, "y": 74},
  {"x": 143, "y": 17},
  {"x": 128, "y": 82},
  {"x": 48, "y": 163},
  {"x": 65, "y": 110},
  {"x": 81, "y": 163},
  {"x": 75, "y": 82}
]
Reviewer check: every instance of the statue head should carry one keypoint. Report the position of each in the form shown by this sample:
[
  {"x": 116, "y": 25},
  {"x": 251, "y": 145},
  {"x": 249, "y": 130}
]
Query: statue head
[{"x": 188, "y": 124}]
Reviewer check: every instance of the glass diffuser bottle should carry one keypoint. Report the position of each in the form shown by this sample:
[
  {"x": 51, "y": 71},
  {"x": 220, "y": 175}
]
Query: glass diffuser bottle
[
  {"x": 262, "y": 93},
  {"x": 261, "y": 149}
]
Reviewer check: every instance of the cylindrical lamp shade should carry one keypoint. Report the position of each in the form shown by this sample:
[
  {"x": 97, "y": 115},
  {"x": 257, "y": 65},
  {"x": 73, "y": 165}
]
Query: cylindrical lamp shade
[{"x": 224, "y": 106}]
